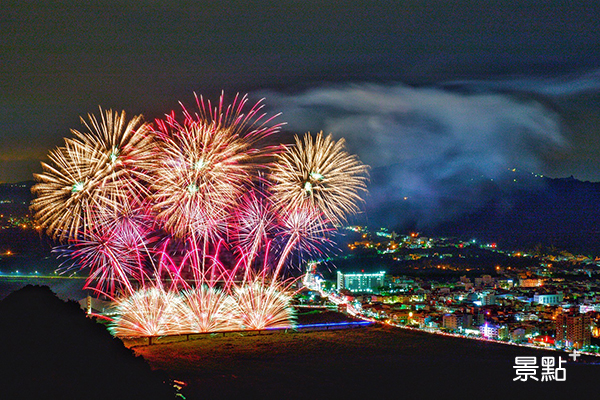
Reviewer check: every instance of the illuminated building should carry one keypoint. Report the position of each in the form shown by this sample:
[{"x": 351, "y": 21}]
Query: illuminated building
[
  {"x": 360, "y": 282},
  {"x": 517, "y": 335},
  {"x": 573, "y": 330},
  {"x": 584, "y": 308},
  {"x": 489, "y": 299},
  {"x": 311, "y": 280},
  {"x": 505, "y": 283},
  {"x": 548, "y": 299},
  {"x": 531, "y": 282},
  {"x": 493, "y": 331},
  {"x": 457, "y": 321}
]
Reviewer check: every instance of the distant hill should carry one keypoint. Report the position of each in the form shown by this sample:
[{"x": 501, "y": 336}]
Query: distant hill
[
  {"x": 563, "y": 213},
  {"x": 516, "y": 210},
  {"x": 15, "y": 198}
]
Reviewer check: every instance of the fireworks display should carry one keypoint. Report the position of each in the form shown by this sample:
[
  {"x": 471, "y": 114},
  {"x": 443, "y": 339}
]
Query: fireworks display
[
  {"x": 150, "y": 311},
  {"x": 261, "y": 304},
  {"x": 104, "y": 168},
  {"x": 319, "y": 173},
  {"x": 188, "y": 223},
  {"x": 204, "y": 167}
]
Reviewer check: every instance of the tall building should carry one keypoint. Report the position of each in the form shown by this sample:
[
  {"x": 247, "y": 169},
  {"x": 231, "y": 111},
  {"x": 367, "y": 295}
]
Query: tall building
[
  {"x": 573, "y": 330},
  {"x": 457, "y": 321},
  {"x": 488, "y": 299},
  {"x": 360, "y": 282}
]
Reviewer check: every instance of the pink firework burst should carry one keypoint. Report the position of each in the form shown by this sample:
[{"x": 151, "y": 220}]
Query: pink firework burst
[
  {"x": 115, "y": 250},
  {"x": 255, "y": 224},
  {"x": 204, "y": 166}
]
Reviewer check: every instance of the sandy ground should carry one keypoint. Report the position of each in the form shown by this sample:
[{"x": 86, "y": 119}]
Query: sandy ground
[{"x": 371, "y": 362}]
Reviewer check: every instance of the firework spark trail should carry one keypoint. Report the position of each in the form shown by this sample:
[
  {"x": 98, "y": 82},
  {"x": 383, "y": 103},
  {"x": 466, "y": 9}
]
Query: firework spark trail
[
  {"x": 112, "y": 259},
  {"x": 264, "y": 303},
  {"x": 205, "y": 166},
  {"x": 102, "y": 168},
  {"x": 130, "y": 228},
  {"x": 125, "y": 149},
  {"x": 305, "y": 229},
  {"x": 208, "y": 310},
  {"x": 151, "y": 311},
  {"x": 257, "y": 302},
  {"x": 255, "y": 225},
  {"x": 116, "y": 250},
  {"x": 199, "y": 176},
  {"x": 114, "y": 191},
  {"x": 187, "y": 266},
  {"x": 64, "y": 194},
  {"x": 252, "y": 125},
  {"x": 319, "y": 173}
]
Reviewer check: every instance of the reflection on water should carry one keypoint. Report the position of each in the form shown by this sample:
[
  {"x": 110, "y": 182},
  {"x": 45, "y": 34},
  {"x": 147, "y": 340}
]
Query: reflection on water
[{"x": 65, "y": 288}]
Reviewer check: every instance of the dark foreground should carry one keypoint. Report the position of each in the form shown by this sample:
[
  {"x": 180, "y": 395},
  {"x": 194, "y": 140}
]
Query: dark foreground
[
  {"x": 373, "y": 362},
  {"x": 50, "y": 350}
]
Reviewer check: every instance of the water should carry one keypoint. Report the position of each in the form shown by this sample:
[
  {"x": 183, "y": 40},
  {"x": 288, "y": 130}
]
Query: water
[{"x": 65, "y": 288}]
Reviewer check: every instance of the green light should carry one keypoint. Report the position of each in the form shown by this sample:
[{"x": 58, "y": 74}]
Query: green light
[
  {"x": 316, "y": 176},
  {"x": 199, "y": 164},
  {"x": 77, "y": 187},
  {"x": 114, "y": 155},
  {"x": 308, "y": 187},
  {"x": 193, "y": 188}
]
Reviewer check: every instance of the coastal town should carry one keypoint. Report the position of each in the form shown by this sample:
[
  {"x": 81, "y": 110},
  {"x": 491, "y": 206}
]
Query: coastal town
[{"x": 548, "y": 300}]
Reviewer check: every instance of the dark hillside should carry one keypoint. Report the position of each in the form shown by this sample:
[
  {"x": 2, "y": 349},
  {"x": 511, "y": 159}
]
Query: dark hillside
[{"x": 50, "y": 350}]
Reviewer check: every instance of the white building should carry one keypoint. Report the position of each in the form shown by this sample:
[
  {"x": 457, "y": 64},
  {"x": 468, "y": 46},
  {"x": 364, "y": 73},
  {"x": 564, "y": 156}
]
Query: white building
[
  {"x": 548, "y": 299},
  {"x": 493, "y": 331},
  {"x": 360, "y": 282}
]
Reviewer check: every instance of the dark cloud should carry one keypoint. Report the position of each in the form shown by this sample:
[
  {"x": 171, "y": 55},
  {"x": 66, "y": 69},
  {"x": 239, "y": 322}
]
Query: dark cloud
[
  {"x": 62, "y": 59},
  {"x": 440, "y": 149},
  {"x": 387, "y": 124}
]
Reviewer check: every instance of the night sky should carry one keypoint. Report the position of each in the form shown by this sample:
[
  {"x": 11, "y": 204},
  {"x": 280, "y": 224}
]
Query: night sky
[{"x": 441, "y": 89}]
